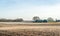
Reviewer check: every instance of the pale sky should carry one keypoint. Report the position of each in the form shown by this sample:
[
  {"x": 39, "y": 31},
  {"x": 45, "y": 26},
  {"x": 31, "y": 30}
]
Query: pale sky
[{"x": 26, "y": 9}]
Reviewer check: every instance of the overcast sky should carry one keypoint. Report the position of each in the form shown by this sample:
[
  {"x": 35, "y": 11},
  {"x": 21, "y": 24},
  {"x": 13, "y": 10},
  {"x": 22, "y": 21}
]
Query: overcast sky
[{"x": 26, "y": 9}]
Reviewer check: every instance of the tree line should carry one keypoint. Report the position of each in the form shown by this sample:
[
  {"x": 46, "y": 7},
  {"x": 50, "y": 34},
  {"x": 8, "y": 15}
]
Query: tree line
[
  {"x": 34, "y": 19},
  {"x": 37, "y": 19},
  {"x": 11, "y": 20}
]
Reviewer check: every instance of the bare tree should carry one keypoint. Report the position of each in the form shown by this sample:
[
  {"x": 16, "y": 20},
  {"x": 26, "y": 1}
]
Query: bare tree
[
  {"x": 50, "y": 19},
  {"x": 36, "y": 18}
]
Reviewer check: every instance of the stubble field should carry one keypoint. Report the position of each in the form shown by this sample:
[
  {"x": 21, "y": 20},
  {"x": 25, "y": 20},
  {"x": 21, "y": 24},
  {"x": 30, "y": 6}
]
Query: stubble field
[{"x": 29, "y": 29}]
